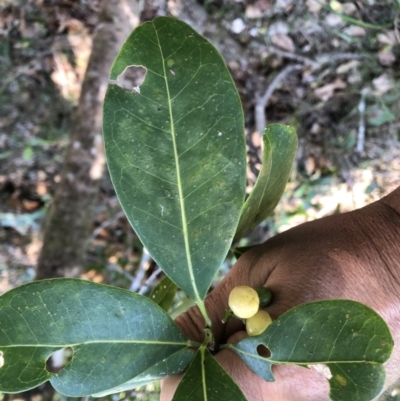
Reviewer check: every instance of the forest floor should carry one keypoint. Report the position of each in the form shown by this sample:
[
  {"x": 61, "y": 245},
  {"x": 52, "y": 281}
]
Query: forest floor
[{"x": 330, "y": 69}]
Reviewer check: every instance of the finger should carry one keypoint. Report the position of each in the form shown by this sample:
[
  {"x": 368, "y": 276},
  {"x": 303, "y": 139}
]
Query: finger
[{"x": 169, "y": 386}]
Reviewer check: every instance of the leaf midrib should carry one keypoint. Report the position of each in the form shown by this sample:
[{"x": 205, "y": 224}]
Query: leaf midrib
[
  {"x": 276, "y": 362},
  {"x": 186, "y": 343},
  {"x": 179, "y": 182},
  {"x": 203, "y": 373}
]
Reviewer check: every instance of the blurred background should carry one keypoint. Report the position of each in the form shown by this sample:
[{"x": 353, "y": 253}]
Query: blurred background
[{"x": 329, "y": 68}]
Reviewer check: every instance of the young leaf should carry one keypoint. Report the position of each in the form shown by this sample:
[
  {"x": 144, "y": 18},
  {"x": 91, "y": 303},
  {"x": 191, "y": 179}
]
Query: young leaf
[
  {"x": 280, "y": 146},
  {"x": 348, "y": 337},
  {"x": 163, "y": 293},
  {"x": 206, "y": 380},
  {"x": 174, "y": 364},
  {"x": 115, "y": 335},
  {"x": 176, "y": 151}
]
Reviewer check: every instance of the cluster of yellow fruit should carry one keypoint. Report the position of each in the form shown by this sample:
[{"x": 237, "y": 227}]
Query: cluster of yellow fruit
[{"x": 245, "y": 302}]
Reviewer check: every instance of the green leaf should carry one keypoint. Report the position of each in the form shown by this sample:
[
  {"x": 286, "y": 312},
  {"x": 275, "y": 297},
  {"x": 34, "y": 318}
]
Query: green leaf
[
  {"x": 206, "y": 380},
  {"x": 163, "y": 293},
  {"x": 280, "y": 146},
  {"x": 184, "y": 305},
  {"x": 174, "y": 364},
  {"x": 348, "y": 337},
  {"x": 115, "y": 336},
  {"x": 176, "y": 151},
  {"x": 355, "y": 381}
]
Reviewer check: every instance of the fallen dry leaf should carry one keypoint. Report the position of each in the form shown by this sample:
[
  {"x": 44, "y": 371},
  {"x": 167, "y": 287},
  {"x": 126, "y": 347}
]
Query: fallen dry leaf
[
  {"x": 386, "y": 56},
  {"x": 326, "y": 92},
  {"x": 355, "y": 31},
  {"x": 387, "y": 38},
  {"x": 314, "y": 6},
  {"x": 346, "y": 67},
  {"x": 333, "y": 20},
  {"x": 284, "y": 42},
  {"x": 382, "y": 84}
]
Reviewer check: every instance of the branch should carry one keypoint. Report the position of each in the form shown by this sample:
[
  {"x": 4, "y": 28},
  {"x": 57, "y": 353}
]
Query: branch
[{"x": 261, "y": 103}]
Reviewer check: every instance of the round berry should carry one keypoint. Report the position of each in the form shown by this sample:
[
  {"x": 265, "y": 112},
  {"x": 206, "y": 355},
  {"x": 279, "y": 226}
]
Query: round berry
[
  {"x": 244, "y": 301},
  {"x": 258, "y": 323}
]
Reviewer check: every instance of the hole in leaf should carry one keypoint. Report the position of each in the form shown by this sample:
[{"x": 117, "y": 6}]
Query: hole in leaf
[
  {"x": 58, "y": 360},
  {"x": 263, "y": 351},
  {"x": 131, "y": 79}
]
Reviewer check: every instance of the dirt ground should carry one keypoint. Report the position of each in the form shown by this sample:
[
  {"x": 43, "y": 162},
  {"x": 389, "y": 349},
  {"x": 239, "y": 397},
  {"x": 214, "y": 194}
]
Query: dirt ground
[{"x": 331, "y": 69}]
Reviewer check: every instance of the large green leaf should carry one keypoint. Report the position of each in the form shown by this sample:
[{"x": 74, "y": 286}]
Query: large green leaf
[
  {"x": 176, "y": 151},
  {"x": 115, "y": 335},
  {"x": 206, "y": 380},
  {"x": 280, "y": 146},
  {"x": 346, "y": 336},
  {"x": 174, "y": 364}
]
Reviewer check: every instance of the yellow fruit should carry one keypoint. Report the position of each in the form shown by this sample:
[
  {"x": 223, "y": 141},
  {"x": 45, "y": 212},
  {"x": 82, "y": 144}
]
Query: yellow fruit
[
  {"x": 244, "y": 301},
  {"x": 258, "y": 323}
]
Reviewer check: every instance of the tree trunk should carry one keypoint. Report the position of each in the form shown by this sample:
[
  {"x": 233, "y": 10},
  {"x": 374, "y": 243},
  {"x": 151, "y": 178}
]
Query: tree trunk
[{"x": 71, "y": 214}]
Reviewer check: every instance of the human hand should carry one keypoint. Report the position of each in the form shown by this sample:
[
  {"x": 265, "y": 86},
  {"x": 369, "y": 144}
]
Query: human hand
[{"x": 353, "y": 256}]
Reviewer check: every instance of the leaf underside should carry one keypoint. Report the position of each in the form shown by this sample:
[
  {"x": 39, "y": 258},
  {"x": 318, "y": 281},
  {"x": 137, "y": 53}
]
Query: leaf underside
[
  {"x": 174, "y": 364},
  {"x": 206, "y": 380},
  {"x": 348, "y": 337},
  {"x": 115, "y": 336},
  {"x": 280, "y": 146},
  {"x": 176, "y": 151},
  {"x": 163, "y": 293}
]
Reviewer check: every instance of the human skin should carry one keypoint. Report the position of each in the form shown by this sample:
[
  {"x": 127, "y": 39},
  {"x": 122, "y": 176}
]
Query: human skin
[{"x": 353, "y": 255}]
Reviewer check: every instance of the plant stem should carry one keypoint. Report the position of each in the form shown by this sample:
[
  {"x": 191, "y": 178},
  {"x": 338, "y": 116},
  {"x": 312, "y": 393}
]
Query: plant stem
[
  {"x": 203, "y": 311},
  {"x": 225, "y": 319},
  {"x": 227, "y": 316}
]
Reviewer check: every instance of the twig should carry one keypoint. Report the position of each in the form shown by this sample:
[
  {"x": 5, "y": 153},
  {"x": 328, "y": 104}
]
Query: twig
[
  {"x": 361, "y": 126},
  {"x": 150, "y": 280},
  {"x": 105, "y": 224},
  {"x": 115, "y": 268},
  {"x": 327, "y": 58},
  {"x": 321, "y": 60},
  {"x": 396, "y": 27},
  {"x": 262, "y": 102},
  {"x": 143, "y": 266},
  {"x": 293, "y": 56}
]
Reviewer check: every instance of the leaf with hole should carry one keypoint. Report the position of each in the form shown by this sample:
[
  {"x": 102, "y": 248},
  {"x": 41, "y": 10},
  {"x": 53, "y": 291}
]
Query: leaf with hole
[
  {"x": 351, "y": 339},
  {"x": 174, "y": 364},
  {"x": 115, "y": 336},
  {"x": 280, "y": 146},
  {"x": 176, "y": 151}
]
